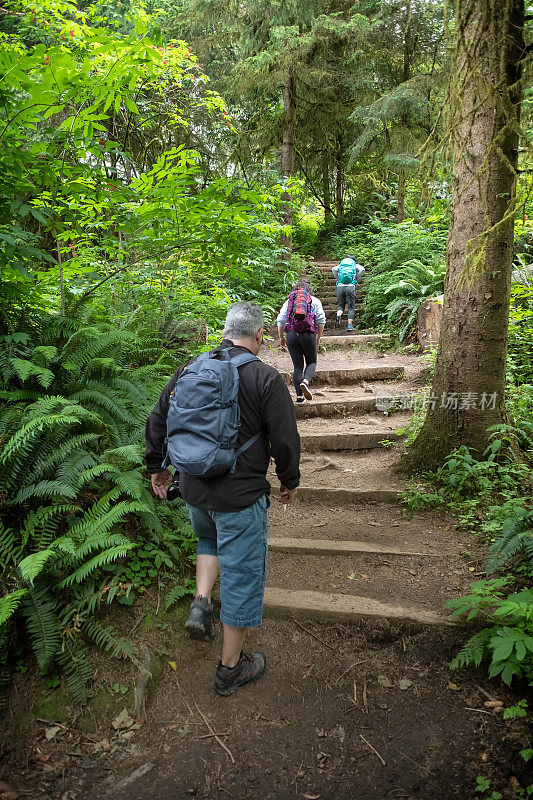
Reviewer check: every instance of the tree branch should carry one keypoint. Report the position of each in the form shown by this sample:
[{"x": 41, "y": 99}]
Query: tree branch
[
  {"x": 310, "y": 183},
  {"x": 112, "y": 274}
]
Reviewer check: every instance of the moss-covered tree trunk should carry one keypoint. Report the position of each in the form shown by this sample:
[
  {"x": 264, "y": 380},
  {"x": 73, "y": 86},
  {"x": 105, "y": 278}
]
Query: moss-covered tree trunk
[
  {"x": 468, "y": 389},
  {"x": 340, "y": 178},
  {"x": 287, "y": 161},
  {"x": 401, "y": 199},
  {"x": 326, "y": 190}
]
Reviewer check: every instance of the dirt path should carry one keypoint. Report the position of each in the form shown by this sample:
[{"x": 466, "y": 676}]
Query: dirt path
[{"x": 357, "y": 702}]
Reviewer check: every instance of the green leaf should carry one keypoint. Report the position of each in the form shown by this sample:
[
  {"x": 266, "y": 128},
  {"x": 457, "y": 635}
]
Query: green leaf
[{"x": 31, "y": 566}]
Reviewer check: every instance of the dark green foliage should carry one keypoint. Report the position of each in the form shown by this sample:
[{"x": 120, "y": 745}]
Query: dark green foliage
[
  {"x": 395, "y": 296},
  {"x": 75, "y": 494},
  {"x": 507, "y": 642},
  {"x": 520, "y": 352},
  {"x": 515, "y": 539}
]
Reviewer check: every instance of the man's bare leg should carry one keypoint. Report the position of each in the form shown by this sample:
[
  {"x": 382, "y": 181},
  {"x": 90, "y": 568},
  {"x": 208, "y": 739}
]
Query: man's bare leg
[
  {"x": 206, "y": 574},
  {"x": 232, "y": 645}
]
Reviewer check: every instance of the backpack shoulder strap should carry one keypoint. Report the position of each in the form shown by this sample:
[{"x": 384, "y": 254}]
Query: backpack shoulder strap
[
  {"x": 239, "y": 361},
  {"x": 243, "y": 358}
]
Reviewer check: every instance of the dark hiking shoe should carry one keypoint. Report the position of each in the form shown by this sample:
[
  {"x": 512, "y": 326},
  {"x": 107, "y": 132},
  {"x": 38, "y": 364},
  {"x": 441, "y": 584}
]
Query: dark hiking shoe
[
  {"x": 338, "y": 321},
  {"x": 304, "y": 386},
  {"x": 250, "y": 667},
  {"x": 300, "y": 399},
  {"x": 199, "y": 623}
]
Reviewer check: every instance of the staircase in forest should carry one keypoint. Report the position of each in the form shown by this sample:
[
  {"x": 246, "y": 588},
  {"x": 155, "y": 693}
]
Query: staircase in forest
[{"x": 346, "y": 550}]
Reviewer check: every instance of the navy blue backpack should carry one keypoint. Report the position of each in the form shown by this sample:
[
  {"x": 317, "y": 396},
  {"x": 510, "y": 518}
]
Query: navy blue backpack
[{"x": 204, "y": 416}]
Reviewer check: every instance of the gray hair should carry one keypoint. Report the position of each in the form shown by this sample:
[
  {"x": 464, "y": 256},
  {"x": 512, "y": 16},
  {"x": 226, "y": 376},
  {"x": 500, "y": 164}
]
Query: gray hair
[
  {"x": 305, "y": 284},
  {"x": 243, "y": 321}
]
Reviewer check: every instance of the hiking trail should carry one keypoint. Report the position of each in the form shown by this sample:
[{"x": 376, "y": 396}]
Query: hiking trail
[{"x": 357, "y": 701}]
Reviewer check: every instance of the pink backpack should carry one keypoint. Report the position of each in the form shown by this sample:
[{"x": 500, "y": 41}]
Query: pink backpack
[{"x": 300, "y": 314}]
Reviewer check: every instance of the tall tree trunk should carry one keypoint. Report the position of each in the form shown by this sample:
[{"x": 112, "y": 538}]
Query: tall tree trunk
[
  {"x": 469, "y": 382},
  {"x": 401, "y": 198},
  {"x": 340, "y": 175},
  {"x": 326, "y": 190},
  {"x": 287, "y": 162},
  {"x": 407, "y": 43}
]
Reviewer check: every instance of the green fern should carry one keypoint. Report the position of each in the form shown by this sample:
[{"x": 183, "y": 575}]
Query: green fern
[
  {"x": 77, "y": 669},
  {"x": 9, "y": 604},
  {"x": 474, "y": 651},
  {"x": 72, "y": 411},
  {"x": 516, "y": 537},
  {"x": 187, "y": 587},
  {"x": 106, "y": 638},
  {"x": 39, "y": 610}
]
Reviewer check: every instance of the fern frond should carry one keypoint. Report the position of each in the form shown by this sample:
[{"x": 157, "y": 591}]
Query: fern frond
[
  {"x": 9, "y": 604},
  {"x": 39, "y": 610},
  {"x": 178, "y": 591},
  {"x": 77, "y": 669},
  {"x": 516, "y": 536},
  {"x": 107, "y": 638},
  {"x": 10, "y": 549},
  {"x": 132, "y": 453},
  {"x": 99, "y": 560},
  {"x": 40, "y": 526},
  {"x": 46, "y": 490},
  {"x": 474, "y": 651},
  {"x": 31, "y": 566}
]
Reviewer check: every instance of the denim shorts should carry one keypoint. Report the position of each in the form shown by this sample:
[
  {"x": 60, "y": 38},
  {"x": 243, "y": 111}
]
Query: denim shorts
[{"x": 239, "y": 539}]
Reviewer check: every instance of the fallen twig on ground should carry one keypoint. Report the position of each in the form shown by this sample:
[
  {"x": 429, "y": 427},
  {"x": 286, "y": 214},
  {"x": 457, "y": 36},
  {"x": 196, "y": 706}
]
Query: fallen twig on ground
[
  {"x": 357, "y": 664},
  {"x": 314, "y": 635},
  {"x": 216, "y": 736},
  {"x": 136, "y": 625},
  {"x": 372, "y": 748}
]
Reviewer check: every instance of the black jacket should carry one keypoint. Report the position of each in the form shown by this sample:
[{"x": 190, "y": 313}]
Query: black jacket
[{"x": 266, "y": 407}]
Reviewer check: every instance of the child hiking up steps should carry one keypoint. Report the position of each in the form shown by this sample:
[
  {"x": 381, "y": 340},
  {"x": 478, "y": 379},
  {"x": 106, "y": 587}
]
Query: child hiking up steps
[{"x": 301, "y": 322}]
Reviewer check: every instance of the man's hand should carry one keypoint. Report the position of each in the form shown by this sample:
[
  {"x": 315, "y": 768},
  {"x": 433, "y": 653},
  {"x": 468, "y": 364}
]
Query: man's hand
[
  {"x": 282, "y": 342},
  {"x": 287, "y": 495},
  {"x": 160, "y": 482}
]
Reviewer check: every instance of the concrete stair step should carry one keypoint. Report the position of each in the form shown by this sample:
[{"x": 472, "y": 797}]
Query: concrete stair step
[
  {"x": 340, "y": 408},
  {"x": 354, "y": 339},
  {"x": 343, "y": 496},
  {"x": 286, "y": 544},
  {"x": 281, "y": 602},
  {"x": 331, "y": 310},
  {"x": 339, "y": 377},
  {"x": 329, "y": 292},
  {"x": 312, "y": 443}
]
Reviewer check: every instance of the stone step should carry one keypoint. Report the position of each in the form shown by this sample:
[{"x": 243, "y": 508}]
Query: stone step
[
  {"x": 339, "y": 377},
  {"x": 342, "y": 408},
  {"x": 331, "y": 331},
  {"x": 331, "y": 310},
  {"x": 311, "y": 443},
  {"x": 321, "y": 605},
  {"x": 342, "y": 496},
  {"x": 330, "y": 292},
  {"x": 353, "y": 339},
  {"x": 286, "y": 544}
]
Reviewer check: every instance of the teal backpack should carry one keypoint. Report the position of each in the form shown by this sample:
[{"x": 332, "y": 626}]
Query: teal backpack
[{"x": 347, "y": 271}]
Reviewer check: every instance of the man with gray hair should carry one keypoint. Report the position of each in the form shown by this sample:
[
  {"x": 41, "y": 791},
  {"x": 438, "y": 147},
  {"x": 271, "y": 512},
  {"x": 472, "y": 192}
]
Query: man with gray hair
[{"x": 229, "y": 512}]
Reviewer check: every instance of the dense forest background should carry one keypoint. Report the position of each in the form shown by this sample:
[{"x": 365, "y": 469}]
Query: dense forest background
[{"x": 159, "y": 161}]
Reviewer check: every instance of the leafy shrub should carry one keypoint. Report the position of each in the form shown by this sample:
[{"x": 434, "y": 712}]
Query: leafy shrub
[
  {"x": 395, "y": 296},
  {"x": 72, "y": 413},
  {"x": 399, "y": 244},
  {"x": 507, "y": 643},
  {"x": 520, "y": 343},
  {"x": 516, "y": 538},
  {"x": 305, "y": 232}
]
